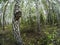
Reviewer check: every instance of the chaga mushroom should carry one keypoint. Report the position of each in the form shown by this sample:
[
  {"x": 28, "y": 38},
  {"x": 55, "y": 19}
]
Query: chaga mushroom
[{"x": 17, "y": 15}]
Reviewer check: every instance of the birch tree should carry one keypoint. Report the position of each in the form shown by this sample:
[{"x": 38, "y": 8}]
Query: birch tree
[
  {"x": 16, "y": 28},
  {"x": 38, "y": 15},
  {"x": 3, "y": 25}
]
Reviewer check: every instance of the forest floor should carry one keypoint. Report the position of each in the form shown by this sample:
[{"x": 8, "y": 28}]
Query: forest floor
[{"x": 31, "y": 37}]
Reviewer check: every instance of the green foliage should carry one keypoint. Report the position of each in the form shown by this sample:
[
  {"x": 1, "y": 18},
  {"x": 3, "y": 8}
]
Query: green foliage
[
  {"x": 42, "y": 19},
  {"x": 0, "y": 22},
  {"x": 28, "y": 24},
  {"x": 0, "y": 1},
  {"x": 49, "y": 19},
  {"x": 3, "y": 0}
]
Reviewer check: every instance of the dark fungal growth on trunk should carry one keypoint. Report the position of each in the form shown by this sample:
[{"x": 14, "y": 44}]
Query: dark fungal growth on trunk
[
  {"x": 17, "y": 12},
  {"x": 17, "y": 15}
]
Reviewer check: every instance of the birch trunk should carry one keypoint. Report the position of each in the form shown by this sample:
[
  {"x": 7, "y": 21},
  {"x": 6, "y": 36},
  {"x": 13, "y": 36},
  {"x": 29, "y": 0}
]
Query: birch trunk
[
  {"x": 15, "y": 21},
  {"x": 38, "y": 16},
  {"x": 4, "y": 16}
]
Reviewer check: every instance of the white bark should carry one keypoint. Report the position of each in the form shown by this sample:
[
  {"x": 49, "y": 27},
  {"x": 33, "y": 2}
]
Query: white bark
[
  {"x": 16, "y": 27},
  {"x": 38, "y": 16}
]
